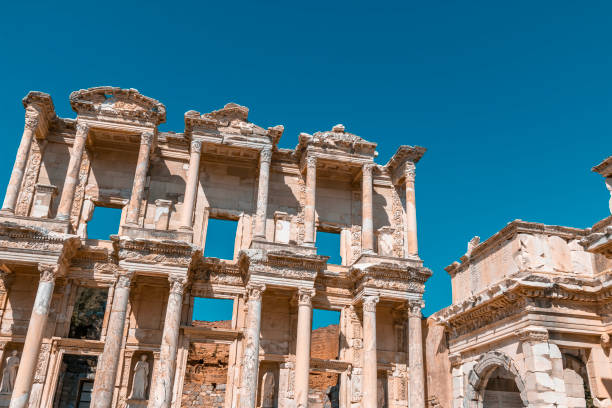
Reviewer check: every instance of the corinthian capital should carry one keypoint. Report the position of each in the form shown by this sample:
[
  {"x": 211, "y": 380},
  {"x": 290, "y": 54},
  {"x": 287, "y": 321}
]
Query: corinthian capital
[
  {"x": 146, "y": 138},
  {"x": 196, "y": 146},
  {"x": 124, "y": 278},
  {"x": 305, "y": 296},
  {"x": 266, "y": 155},
  {"x": 31, "y": 119},
  {"x": 414, "y": 307},
  {"x": 369, "y": 303},
  {"x": 82, "y": 129},
  {"x": 177, "y": 284},
  {"x": 367, "y": 169},
  {"x": 255, "y": 291},
  {"x": 311, "y": 162},
  {"x": 409, "y": 171},
  {"x": 48, "y": 272}
]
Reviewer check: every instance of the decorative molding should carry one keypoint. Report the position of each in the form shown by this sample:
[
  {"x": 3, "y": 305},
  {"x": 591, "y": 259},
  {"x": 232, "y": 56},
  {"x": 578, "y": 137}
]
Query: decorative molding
[{"x": 533, "y": 335}]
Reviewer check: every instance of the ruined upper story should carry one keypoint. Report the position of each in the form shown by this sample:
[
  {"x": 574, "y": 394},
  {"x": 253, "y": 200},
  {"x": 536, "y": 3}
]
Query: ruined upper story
[
  {"x": 370, "y": 205},
  {"x": 524, "y": 249}
]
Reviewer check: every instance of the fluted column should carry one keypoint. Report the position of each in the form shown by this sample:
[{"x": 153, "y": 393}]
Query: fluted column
[
  {"x": 302, "y": 347},
  {"x": 163, "y": 377},
  {"x": 72, "y": 175},
  {"x": 370, "y": 362},
  {"x": 311, "y": 188},
  {"x": 250, "y": 358},
  {"x": 415, "y": 355},
  {"x": 262, "y": 192},
  {"x": 140, "y": 177},
  {"x": 21, "y": 160},
  {"x": 108, "y": 363},
  {"x": 192, "y": 185},
  {"x": 33, "y": 340},
  {"x": 367, "y": 222},
  {"x": 410, "y": 236}
]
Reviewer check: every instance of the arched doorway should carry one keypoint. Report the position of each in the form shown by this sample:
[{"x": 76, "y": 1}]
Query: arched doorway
[{"x": 494, "y": 382}]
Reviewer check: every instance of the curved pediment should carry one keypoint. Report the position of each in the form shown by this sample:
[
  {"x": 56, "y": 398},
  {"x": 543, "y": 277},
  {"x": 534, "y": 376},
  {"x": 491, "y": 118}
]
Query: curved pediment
[{"x": 126, "y": 104}]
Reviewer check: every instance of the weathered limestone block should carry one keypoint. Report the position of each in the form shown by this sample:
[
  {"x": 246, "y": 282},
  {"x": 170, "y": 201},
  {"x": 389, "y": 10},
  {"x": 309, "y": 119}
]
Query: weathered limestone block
[{"x": 43, "y": 200}]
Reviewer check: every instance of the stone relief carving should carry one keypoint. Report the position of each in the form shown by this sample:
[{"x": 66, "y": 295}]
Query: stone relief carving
[{"x": 9, "y": 373}]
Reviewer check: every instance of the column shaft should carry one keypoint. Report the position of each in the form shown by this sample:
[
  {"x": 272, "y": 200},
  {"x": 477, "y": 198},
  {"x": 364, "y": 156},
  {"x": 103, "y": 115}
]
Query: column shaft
[
  {"x": 163, "y": 378},
  {"x": 311, "y": 187},
  {"x": 302, "y": 347},
  {"x": 367, "y": 222},
  {"x": 108, "y": 363},
  {"x": 415, "y": 355},
  {"x": 262, "y": 193},
  {"x": 72, "y": 175},
  {"x": 21, "y": 160},
  {"x": 250, "y": 357},
  {"x": 411, "y": 245},
  {"x": 192, "y": 185},
  {"x": 33, "y": 340},
  {"x": 140, "y": 178},
  {"x": 370, "y": 362}
]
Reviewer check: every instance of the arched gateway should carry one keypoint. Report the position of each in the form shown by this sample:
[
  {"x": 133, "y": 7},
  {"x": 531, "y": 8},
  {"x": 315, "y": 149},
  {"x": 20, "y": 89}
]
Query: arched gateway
[{"x": 495, "y": 382}]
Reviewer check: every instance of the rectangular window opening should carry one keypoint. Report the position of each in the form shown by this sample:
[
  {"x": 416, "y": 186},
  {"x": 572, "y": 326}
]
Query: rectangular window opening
[
  {"x": 104, "y": 222},
  {"x": 88, "y": 313},
  {"x": 220, "y": 238},
  {"x": 75, "y": 381},
  {"x": 325, "y": 345},
  {"x": 328, "y": 244},
  {"x": 212, "y": 313}
]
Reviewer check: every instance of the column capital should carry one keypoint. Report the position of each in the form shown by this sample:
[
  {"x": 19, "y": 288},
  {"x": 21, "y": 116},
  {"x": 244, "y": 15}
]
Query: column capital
[
  {"x": 255, "y": 291},
  {"x": 533, "y": 334},
  {"x": 409, "y": 171},
  {"x": 368, "y": 168},
  {"x": 82, "y": 129},
  {"x": 177, "y": 284},
  {"x": 311, "y": 161},
  {"x": 414, "y": 307},
  {"x": 32, "y": 119},
  {"x": 369, "y": 303},
  {"x": 266, "y": 154},
  {"x": 146, "y": 138},
  {"x": 196, "y": 146},
  {"x": 48, "y": 272},
  {"x": 123, "y": 278},
  {"x": 304, "y": 296}
]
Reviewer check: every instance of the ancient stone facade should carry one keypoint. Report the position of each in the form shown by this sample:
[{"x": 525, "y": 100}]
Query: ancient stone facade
[{"x": 108, "y": 322}]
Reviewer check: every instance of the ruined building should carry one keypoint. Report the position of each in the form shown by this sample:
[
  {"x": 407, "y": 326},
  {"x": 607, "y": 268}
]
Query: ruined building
[{"x": 108, "y": 322}]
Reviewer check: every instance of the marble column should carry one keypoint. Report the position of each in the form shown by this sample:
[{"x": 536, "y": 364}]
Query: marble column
[
  {"x": 302, "y": 347},
  {"x": 262, "y": 192},
  {"x": 140, "y": 177},
  {"x": 163, "y": 377},
  {"x": 367, "y": 222},
  {"x": 370, "y": 362},
  {"x": 191, "y": 188},
  {"x": 72, "y": 175},
  {"x": 250, "y": 357},
  {"x": 415, "y": 355},
  {"x": 33, "y": 340},
  {"x": 410, "y": 230},
  {"x": 21, "y": 160},
  {"x": 106, "y": 373},
  {"x": 311, "y": 188}
]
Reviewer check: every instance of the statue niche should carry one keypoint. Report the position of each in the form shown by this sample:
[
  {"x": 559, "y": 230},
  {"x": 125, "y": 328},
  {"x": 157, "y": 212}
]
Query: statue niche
[
  {"x": 268, "y": 390},
  {"x": 9, "y": 373},
  {"x": 140, "y": 379}
]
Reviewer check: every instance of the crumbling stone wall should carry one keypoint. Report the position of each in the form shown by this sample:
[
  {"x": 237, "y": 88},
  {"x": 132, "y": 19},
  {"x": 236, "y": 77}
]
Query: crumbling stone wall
[{"x": 323, "y": 386}]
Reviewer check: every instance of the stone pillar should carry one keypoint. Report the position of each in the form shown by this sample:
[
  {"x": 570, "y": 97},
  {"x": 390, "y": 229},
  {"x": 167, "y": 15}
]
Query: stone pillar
[
  {"x": 458, "y": 388},
  {"x": 367, "y": 222},
  {"x": 262, "y": 192},
  {"x": 108, "y": 362},
  {"x": 163, "y": 377},
  {"x": 33, "y": 340},
  {"x": 544, "y": 369},
  {"x": 250, "y": 357},
  {"x": 191, "y": 188},
  {"x": 311, "y": 187},
  {"x": 72, "y": 175},
  {"x": 302, "y": 347},
  {"x": 370, "y": 363},
  {"x": 410, "y": 229},
  {"x": 415, "y": 355},
  {"x": 140, "y": 177},
  {"x": 21, "y": 160}
]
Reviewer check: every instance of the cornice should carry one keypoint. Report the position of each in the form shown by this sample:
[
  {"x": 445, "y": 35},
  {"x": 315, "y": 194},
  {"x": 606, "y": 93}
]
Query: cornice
[{"x": 604, "y": 168}]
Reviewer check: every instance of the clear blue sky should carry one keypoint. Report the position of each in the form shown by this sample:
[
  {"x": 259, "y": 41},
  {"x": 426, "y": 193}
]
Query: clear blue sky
[{"x": 512, "y": 99}]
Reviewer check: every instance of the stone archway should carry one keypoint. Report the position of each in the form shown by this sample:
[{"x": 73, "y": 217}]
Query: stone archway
[{"x": 478, "y": 379}]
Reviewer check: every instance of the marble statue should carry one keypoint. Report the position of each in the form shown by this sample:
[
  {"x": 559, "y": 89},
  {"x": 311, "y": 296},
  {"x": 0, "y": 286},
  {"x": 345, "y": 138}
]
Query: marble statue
[
  {"x": 9, "y": 373},
  {"x": 140, "y": 380}
]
